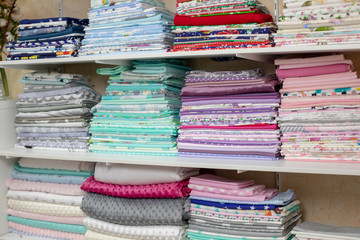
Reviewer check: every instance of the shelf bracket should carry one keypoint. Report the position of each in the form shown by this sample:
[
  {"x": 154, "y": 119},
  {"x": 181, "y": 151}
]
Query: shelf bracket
[
  {"x": 256, "y": 57},
  {"x": 276, "y": 10},
  {"x": 60, "y": 8},
  {"x": 239, "y": 171},
  {"x": 277, "y": 180}
]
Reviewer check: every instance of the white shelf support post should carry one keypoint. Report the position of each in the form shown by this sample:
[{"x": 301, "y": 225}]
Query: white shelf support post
[
  {"x": 276, "y": 10},
  {"x": 60, "y": 8}
]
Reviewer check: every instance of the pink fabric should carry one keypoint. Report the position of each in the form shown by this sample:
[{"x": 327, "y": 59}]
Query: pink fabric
[
  {"x": 312, "y": 71},
  {"x": 163, "y": 190},
  {"x": 320, "y": 101},
  {"x": 322, "y": 83},
  {"x": 62, "y": 189},
  {"x": 46, "y": 232},
  {"x": 306, "y": 64},
  {"x": 220, "y": 182},
  {"x": 247, "y": 191},
  {"x": 344, "y": 75},
  {"x": 284, "y": 61},
  {"x": 40, "y": 217},
  {"x": 248, "y": 127},
  {"x": 267, "y": 194}
]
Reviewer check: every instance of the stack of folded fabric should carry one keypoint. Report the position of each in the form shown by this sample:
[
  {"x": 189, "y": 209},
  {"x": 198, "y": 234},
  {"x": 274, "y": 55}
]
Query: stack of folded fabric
[
  {"x": 230, "y": 115},
  {"x": 54, "y": 111},
  {"x": 311, "y": 22},
  {"x": 318, "y": 231},
  {"x": 204, "y": 25},
  {"x": 226, "y": 209},
  {"x": 47, "y": 38},
  {"x": 44, "y": 198},
  {"x": 140, "y": 112},
  {"x": 128, "y": 26},
  {"x": 136, "y": 202},
  {"x": 319, "y": 114}
]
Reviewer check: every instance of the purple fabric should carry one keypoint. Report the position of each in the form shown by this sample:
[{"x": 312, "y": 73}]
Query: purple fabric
[
  {"x": 227, "y": 111},
  {"x": 273, "y": 95},
  {"x": 227, "y": 156},
  {"x": 221, "y": 91},
  {"x": 249, "y": 152},
  {"x": 234, "y": 143},
  {"x": 224, "y": 100}
]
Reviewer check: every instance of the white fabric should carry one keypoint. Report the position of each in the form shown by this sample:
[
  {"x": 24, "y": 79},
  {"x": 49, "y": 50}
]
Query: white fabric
[
  {"x": 57, "y": 164},
  {"x": 325, "y": 231},
  {"x": 125, "y": 174},
  {"x": 51, "y": 209},
  {"x": 91, "y": 235},
  {"x": 45, "y": 197},
  {"x": 135, "y": 232}
]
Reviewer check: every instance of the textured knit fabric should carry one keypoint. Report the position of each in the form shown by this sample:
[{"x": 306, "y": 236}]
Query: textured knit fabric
[
  {"x": 135, "y": 232},
  {"x": 162, "y": 190},
  {"x": 136, "y": 211}
]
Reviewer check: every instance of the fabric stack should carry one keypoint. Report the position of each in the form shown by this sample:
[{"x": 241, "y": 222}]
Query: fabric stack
[
  {"x": 136, "y": 202},
  {"x": 312, "y": 22},
  {"x": 319, "y": 114},
  {"x": 44, "y": 198},
  {"x": 226, "y": 209},
  {"x": 127, "y": 26},
  {"x": 230, "y": 115},
  {"x": 54, "y": 111},
  {"x": 140, "y": 112},
  {"x": 210, "y": 24},
  {"x": 47, "y": 38},
  {"x": 318, "y": 231}
]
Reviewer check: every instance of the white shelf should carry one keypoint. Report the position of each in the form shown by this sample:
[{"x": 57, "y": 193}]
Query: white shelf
[
  {"x": 196, "y": 162},
  {"x": 12, "y": 236},
  {"x": 257, "y": 54}
]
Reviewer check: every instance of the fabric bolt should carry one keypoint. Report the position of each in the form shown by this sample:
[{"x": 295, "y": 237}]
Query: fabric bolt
[
  {"x": 53, "y": 188},
  {"x": 18, "y": 168},
  {"x": 51, "y": 209},
  {"x": 266, "y": 195},
  {"x": 134, "y": 232},
  {"x": 136, "y": 212},
  {"x": 40, "y": 217},
  {"x": 163, "y": 190},
  {"x": 125, "y": 174},
  {"x": 57, "y": 164},
  {"x": 42, "y": 233},
  {"x": 47, "y": 178}
]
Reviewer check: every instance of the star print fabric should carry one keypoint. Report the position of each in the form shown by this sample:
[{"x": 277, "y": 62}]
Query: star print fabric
[{"x": 227, "y": 209}]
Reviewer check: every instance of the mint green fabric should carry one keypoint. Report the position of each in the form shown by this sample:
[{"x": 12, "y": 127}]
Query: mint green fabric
[
  {"x": 49, "y": 225},
  {"x": 112, "y": 71},
  {"x": 17, "y": 167}
]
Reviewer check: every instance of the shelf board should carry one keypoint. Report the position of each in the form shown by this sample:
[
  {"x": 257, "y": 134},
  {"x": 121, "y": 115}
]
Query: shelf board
[
  {"x": 195, "y": 162},
  {"x": 13, "y": 236},
  {"x": 257, "y": 54}
]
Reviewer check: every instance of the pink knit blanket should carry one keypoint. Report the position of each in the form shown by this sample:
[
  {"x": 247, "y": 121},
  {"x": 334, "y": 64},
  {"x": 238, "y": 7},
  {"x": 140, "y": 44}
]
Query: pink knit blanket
[{"x": 162, "y": 190}]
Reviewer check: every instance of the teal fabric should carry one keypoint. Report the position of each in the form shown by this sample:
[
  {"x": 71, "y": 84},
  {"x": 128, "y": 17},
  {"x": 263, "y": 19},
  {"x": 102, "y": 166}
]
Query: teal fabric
[
  {"x": 203, "y": 236},
  {"x": 49, "y": 225},
  {"x": 112, "y": 71},
  {"x": 17, "y": 167}
]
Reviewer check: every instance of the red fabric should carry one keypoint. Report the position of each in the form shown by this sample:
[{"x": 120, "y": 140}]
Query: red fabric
[
  {"x": 222, "y": 19},
  {"x": 162, "y": 190}
]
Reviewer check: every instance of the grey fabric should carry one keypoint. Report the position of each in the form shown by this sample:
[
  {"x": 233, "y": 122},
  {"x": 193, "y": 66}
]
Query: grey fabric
[
  {"x": 327, "y": 230},
  {"x": 136, "y": 211}
]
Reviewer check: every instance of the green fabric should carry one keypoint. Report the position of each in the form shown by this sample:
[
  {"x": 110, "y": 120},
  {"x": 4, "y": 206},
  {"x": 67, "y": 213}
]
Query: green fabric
[
  {"x": 135, "y": 131},
  {"x": 17, "y": 167},
  {"x": 72, "y": 228},
  {"x": 203, "y": 236},
  {"x": 166, "y": 113},
  {"x": 112, "y": 71}
]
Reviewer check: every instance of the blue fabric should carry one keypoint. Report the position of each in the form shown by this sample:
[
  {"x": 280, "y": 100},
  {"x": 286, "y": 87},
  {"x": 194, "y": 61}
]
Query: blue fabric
[
  {"x": 68, "y": 30},
  {"x": 233, "y": 205},
  {"x": 48, "y": 178},
  {"x": 44, "y": 20}
]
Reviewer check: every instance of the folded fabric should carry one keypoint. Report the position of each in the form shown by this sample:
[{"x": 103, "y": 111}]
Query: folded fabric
[
  {"x": 43, "y": 233},
  {"x": 48, "y": 225},
  {"x": 45, "y": 197},
  {"x": 202, "y": 235},
  {"x": 311, "y": 71},
  {"x": 136, "y": 211},
  {"x": 281, "y": 199},
  {"x": 54, "y": 188},
  {"x": 135, "y": 232},
  {"x": 220, "y": 182},
  {"x": 126, "y": 174},
  {"x": 291, "y": 61},
  {"x": 47, "y": 178},
  {"x": 256, "y": 17},
  {"x": 52, "y": 171},
  {"x": 57, "y": 164},
  {"x": 92, "y": 235},
  {"x": 161, "y": 190},
  {"x": 58, "y": 210},
  {"x": 41, "y": 217},
  {"x": 325, "y": 231},
  {"x": 264, "y": 196}
]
